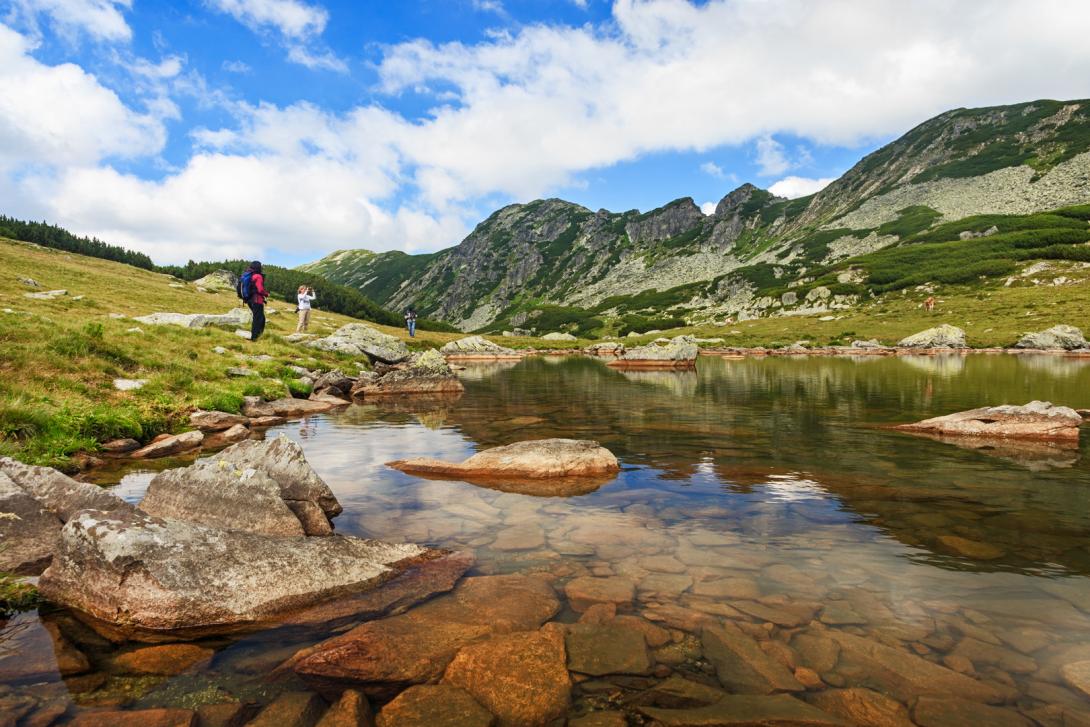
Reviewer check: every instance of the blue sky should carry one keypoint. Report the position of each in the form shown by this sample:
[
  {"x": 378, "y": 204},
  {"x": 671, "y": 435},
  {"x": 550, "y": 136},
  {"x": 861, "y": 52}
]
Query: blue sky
[{"x": 285, "y": 129}]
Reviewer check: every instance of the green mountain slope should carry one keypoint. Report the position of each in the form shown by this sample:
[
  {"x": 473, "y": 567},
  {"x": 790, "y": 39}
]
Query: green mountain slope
[{"x": 554, "y": 263}]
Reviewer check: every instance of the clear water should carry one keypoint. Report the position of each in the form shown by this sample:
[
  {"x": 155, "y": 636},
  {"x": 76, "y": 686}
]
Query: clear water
[{"x": 776, "y": 472}]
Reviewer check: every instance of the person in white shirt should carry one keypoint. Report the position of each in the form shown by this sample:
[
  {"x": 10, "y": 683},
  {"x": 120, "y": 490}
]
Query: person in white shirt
[{"x": 305, "y": 296}]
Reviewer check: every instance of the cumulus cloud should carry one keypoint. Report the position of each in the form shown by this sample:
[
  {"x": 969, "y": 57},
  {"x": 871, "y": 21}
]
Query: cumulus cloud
[
  {"x": 792, "y": 187},
  {"x": 236, "y": 67},
  {"x": 708, "y": 208},
  {"x": 713, "y": 170},
  {"x": 297, "y": 25},
  {"x": 100, "y": 19}
]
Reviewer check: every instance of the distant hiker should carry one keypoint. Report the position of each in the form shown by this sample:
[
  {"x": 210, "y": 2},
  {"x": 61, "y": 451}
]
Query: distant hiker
[
  {"x": 305, "y": 296},
  {"x": 251, "y": 288},
  {"x": 929, "y": 304},
  {"x": 410, "y": 321}
]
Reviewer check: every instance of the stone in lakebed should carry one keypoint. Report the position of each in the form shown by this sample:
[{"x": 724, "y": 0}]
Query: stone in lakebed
[
  {"x": 742, "y": 666},
  {"x": 1037, "y": 420},
  {"x": 351, "y": 710},
  {"x": 382, "y": 656},
  {"x": 599, "y": 649},
  {"x": 678, "y": 352},
  {"x": 1077, "y": 676},
  {"x": 954, "y": 712},
  {"x": 969, "y": 548},
  {"x": 435, "y": 705},
  {"x": 290, "y": 709},
  {"x": 605, "y": 718},
  {"x": 862, "y": 706},
  {"x": 287, "y": 407},
  {"x": 524, "y": 536},
  {"x": 428, "y": 373},
  {"x": 680, "y": 693},
  {"x": 745, "y": 709},
  {"x": 586, "y": 591},
  {"x": 136, "y": 718},
  {"x": 522, "y": 677},
  {"x": 816, "y": 650},
  {"x": 165, "y": 660},
  {"x": 541, "y": 458}
]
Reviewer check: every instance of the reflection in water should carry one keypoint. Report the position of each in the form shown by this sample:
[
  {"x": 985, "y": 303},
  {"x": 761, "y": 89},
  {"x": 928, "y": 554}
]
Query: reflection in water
[
  {"x": 762, "y": 493},
  {"x": 1062, "y": 366}
]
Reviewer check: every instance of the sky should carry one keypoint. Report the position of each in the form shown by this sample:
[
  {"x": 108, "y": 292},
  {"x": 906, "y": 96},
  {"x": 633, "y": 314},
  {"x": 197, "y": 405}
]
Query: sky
[{"x": 285, "y": 129}]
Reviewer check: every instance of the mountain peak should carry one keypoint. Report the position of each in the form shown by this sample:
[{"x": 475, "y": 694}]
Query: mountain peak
[{"x": 731, "y": 204}]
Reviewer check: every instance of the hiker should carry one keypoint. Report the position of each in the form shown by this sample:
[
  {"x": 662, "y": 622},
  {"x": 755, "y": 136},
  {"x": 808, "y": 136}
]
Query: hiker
[
  {"x": 251, "y": 288},
  {"x": 306, "y": 295},
  {"x": 929, "y": 304},
  {"x": 410, "y": 321}
]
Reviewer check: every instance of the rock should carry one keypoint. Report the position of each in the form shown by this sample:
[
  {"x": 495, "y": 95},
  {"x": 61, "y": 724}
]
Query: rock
[
  {"x": 861, "y": 706},
  {"x": 29, "y": 533},
  {"x": 473, "y": 347},
  {"x": 165, "y": 660},
  {"x": 555, "y": 336},
  {"x": 148, "y": 577},
  {"x": 606, "y": 348},
  {"x": 428, "y": 374},
  {"x": 283, "y": 460},
  {"x": 242, "y": 333},
  {"x": 415, "y": 647},
  {"x": 240, "y": 372},
  {"x": 522, "y": 678},
  {"x": 129, "y": 384},
  {"x": 955, "y": 712},
  {"x": 351, "y": 710},
  {"x": 234, "y": 435},
  {"x": 586, "y": 591},
  {"x": 1077, "y": 676},
  {"x": 944, "y": 336},
  {"x": 744, "y": 709},
  {"x": 58, "y": 493},
  {"x": 334, "y": 383},
  {"x": 808, "y": 678},
  {"x": 232, "y": 319},
  {"x": 1039, "y": 420},
  {"x": 599, "y": 649},
  {"x": 789, "y": 298},
  {"x": 290, "y": 709},
  {"x": 136, "y": 718},
  {"x": 220, "y": 494},
  {"x": 524, "y": 536},
  {"x": 605, "y": 718},
  {"x": 742, "y": 666},
  {"x": 47, "y": 295},
  {"x": 287, "y": 407},
  {"x": 120, "y": 446},
  {"x": 30, "y": 282},
  {"x": 36, "y": 651},
  {"x": 655, "y": 636},
  {"x": 218, "y": 281},
  {"x": 679, "y": 693},
  {"x": 1064, "y": 337},
  {"x": 869, "y": 343},
  {"x": 357, "y": 339},
  {"x": 435, "y": 705},
  {"x": 538, "y": 458},
  {"x": 969, "y": 548},
  {"x": 223, "y": 714},
  {"x": 679, "y": 352},
  {"x": 264, "y": 422},
  {"x": 219, "y": 350},
  {"x": 169, "y": 446}
]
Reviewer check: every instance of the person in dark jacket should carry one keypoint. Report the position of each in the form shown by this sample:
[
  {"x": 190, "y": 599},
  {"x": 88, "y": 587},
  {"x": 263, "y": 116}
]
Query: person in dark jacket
[
  {"x": 257, "y": 300},
  {"x": 410, "y": 321}
]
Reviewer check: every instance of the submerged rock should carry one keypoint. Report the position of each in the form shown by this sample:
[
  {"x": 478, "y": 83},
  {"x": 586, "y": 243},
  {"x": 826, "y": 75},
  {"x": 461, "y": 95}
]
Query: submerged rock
[
  {"x": 435, "y": 705},
  {"x": 1036, "y": 420},
  {"x": 232, "y": 319},
  {"x": 427, "y": 374},
  {"x": 745, "y": 710},
  {"x": 678, "y": 352},
  {"x": 862, "y": 706},
  {"x": 472, "y": 347},
  {"x": 357, "y": 339},
  {"x": 540, "y": 458},
  {"x": 742, "y": 666},
  {"x": 150, "y": 578},
  {"x": 944, "y": 336},
  {"x": 1068, "y": 338}
]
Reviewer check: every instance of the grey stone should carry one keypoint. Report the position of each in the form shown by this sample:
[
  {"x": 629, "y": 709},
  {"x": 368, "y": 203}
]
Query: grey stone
[
  {"x": 234, "y": 317},
  {"x": 171, "y": 445},
  {"x": 944, "y": 336},
  {"x": 47, "y": 295},
  {"x": 1068, "y": 338},
  {"x": 58, "y": 493},
  {"x": 357, "y": 339},
  {"x": 29, "y": 533},
  {"x": 476, "y": 346},
  {"x": 129, "y": 384}
]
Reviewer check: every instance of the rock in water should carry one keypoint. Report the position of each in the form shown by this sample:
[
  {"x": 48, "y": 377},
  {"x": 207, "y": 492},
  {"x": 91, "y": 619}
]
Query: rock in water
[
  {"x": 435, "y": 705},
  {"x": 149, "y": 579},
  {"x": 170, "y": 445},
  {"x": 944, "y": 336},
  {"x": 1035, "y": 420},
  {"x": 606, "y": 348},
  {"x": 678, "y": 352},
  {"x": 1068, "y": 338},
  {"x": 28, "y": 532},
  {"x": 476, "y": 347},
  {"x": 232, "y": 319},
  {"x": 357, "y": 339},
  {"x": 214, "y": 421},
  {"x": 538, "y": 458},
  {"x": 286, "y": 407},
  {"x": 745, "y": 710},
  {"x": 58, "y": 493},
  {"x": 428, "y": 374}
]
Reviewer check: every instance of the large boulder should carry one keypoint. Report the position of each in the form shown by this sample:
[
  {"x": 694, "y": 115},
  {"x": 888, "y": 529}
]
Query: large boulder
[
  {"x": 235, "y": 318},
  {"x": 605, "y": 348},
  {"x": 334, "y": 383},
  {"x": 29, "y": 533},
  {"x": 1035, "y": 420},
  {"x": 255, "y": 408},
  {"x": 476, "y": 347},
  {"x": 944, "y": 336},
  {"x": 148, "y": 578},
  {"x": 539, "y": 458},
  {"x": 58, "y": 493},
  {"x": 218, "y": 281},
  {"x": 357, "y": 339},
  {"x": 1068, "y": 338},
  {"x": 678, "y": 352},
  {"x": 429, "y": 373},
  {"x": 557, "y": 336}
]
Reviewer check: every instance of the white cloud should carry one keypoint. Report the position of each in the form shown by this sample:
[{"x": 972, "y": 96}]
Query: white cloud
[
  {"x": 792, "y": 187},
  {"x": 713, "y": 170},
  {"x": 290, "y": 18},
  {"x": 708, "y": 208},
  {"x": 316, "y": 60},
  {"x": 236, "y": 67},
  {"x": 488, "y": 6},
  {"x": 771, "y": 157},
  {"x": 100, "y": 19}
]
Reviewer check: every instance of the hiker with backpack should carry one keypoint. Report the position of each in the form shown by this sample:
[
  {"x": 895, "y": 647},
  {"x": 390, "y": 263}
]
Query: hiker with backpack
[
  {"x": 251, "y": 289},
  {"x": 410, "y": 321}
]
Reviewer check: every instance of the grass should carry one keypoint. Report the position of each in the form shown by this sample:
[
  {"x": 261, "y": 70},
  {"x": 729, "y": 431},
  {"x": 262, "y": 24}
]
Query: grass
[{"x": 16, "y": 595}]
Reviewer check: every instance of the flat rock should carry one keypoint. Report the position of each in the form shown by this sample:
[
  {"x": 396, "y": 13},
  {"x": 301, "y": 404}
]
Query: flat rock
[
  {"x": 171, "y": 445},
  {"x": 586, "y": 591},
  {"x": 861, "y": 706},
  {"x": 955, "y": 712},
  {"x": 1077, "y": 676},
  {"x": 1039, "y": 420},
  {"x": 46, "y": 295},
  {"x": 426, "y": 374},
  {"x": 1068, "y": 338},
  {"x": 136, "y": 718},
  {"x": 290, "y": 709},
  {"x": 476, "y": 347},
  {"x": 154, "y": 578},
  {"x": 744, "y": 709},
  {"x": 120, "y": 446},
  {"x": 599, "y": 649},
  {"x": 679, "y": 352},
  {"x": 351, "y": 710},
  {"x": 678, "y": 692},
  {"x": 540, "y": 458},
  {"x": 164, "y": 660},
  {"x": 969, "y": 548},
  {"x": 386, "y": 655},
  {"x": 605, "y": 718},
  {"x": 57, "y": 492},
  {"x": 263, "y": 422},
  {"x": 435, "y": 705},
  {"x": 522, "y": 678},
  {"x": 215, "y": 421},
  {"x": 944, "y": 336},
  {"x": 287, "y": 407},
  {"x": 357, "y": 339},
  {"x": 742, "y": 666},
  {"x": 129, "y": 384},
  {"x": 232, "y": 319},
  {"x": 234, "y": 435},
  {"x": 29, "y": 533}
]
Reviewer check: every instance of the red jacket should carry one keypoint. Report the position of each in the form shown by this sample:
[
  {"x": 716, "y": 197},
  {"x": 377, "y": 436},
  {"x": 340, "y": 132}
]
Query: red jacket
[{"x": 260, "y": 294}]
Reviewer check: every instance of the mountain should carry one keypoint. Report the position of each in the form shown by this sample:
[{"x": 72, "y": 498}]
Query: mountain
[{"x": 551, "y": 264}]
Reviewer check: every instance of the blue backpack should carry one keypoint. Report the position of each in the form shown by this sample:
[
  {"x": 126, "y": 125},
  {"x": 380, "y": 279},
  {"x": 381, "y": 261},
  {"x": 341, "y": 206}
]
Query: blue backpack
[{"x": 245, "y": 287}]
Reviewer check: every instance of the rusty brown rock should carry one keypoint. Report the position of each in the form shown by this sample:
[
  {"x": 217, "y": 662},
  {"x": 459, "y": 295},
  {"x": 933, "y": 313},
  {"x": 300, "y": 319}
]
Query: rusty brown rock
[
  {"x": 165, "y": 660},
  {"x": 955, "y": 712},
  {"x": 215, "y": 421},
  {"x": 1039, "y": 420},
  {"x": 136, "y": 718},
  {"x": 599, "y": 649},
  {"x": 864, "y": 707},
  {"x": 351, "y": 710},
  {"x": 587, "y": 591},
  {"x": 290, "y": 709},
  {"x": 742, "y": 666},
  {"x": 171, "y": 445},
  {"x": 542, "y": 458},
  {"x": 435, "y": 705},
  {"x": 227, "y": 437}
]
